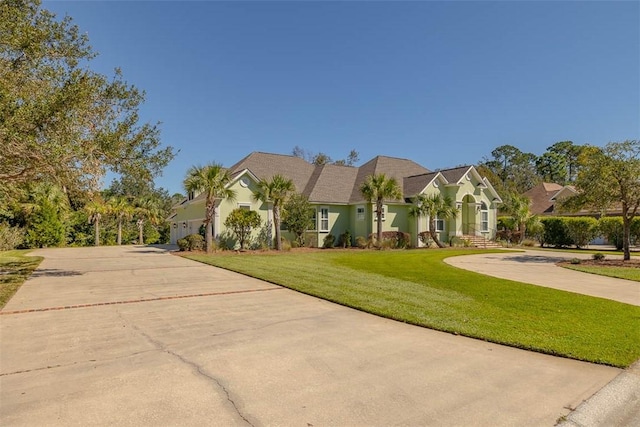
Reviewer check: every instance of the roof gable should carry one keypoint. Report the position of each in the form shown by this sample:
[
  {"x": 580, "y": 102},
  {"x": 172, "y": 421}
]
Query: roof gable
[{"x": 390, "y": 166}]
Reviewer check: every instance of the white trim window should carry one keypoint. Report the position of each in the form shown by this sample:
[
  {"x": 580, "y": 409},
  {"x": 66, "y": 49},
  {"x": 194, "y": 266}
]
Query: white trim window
[
  {"x": 360, "y": 213},
  {"x": 384, "y": 214},
  {"x": 314, "y": 221},
  {"x": 439, "y": 224},
  {"x": 324, "y": 219},
  {"x": 484, "y": 217},
  {"x": 245, "y": 206}
]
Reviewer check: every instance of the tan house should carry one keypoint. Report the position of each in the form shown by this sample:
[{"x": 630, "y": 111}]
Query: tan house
[{"x": 334, "y": 192}]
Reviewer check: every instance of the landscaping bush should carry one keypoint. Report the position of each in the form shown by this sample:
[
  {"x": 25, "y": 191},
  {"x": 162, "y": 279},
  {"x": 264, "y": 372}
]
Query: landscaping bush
[
  {"x": 328, "y": 241},
  {"x": 611, "y": 228},
  {"x": 10, "y": 237},
  {"x": 576, "y": 261},
  {"x": 425, "y": 238},
  {"x": 192, "y": 242},
  {"x": 362, "y": 242},
  {"x": 396, "y": 239},
  {"x": 183, "y": 244},
  {"x": 555, "y": 232},
  {"x": 581, "y": 230},
  {"x": 598, "y": 257},
  {"x": 344, "y": 239}
]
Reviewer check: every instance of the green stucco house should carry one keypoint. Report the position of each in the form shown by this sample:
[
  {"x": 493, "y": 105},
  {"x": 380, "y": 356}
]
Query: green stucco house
[{"x": 334, "y": 192}]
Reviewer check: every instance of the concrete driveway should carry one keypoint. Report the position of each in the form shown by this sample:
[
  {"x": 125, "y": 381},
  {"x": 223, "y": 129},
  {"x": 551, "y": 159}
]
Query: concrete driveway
[
  {"x": 539, "y": 268},
  {"x": 136, "y": 336}
]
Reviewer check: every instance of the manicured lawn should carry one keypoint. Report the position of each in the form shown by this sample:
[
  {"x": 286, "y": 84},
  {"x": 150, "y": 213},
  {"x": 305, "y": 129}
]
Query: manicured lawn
[
  {"x": 629, "y": 273},
  {"x": 15, "y": 268},
  {"x": 417, "y": 287},
  {"x": 634, "y": 251}
]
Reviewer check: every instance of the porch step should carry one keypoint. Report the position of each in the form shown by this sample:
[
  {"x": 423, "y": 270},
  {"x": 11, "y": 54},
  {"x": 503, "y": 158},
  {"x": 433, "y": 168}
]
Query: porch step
[{"x": 480, "y": 242}]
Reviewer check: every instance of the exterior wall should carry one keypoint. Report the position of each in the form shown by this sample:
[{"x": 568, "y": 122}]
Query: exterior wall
[
  {"x": 339, "y": 221},
  {"x": 187, "y": 221}
]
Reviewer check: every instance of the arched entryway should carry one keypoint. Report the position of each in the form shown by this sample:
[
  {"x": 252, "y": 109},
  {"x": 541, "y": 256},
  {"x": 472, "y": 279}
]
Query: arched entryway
[{"x": 468, "y": 215}]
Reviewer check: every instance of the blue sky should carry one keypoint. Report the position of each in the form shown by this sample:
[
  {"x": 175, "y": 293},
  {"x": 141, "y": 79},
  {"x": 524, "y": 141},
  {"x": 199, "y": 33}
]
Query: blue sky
[{"x": 442, "y": 83}]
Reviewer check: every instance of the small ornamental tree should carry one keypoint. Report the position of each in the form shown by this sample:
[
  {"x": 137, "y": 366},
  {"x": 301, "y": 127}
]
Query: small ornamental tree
[
  {"x": 297, "y": 216},
  {"x": 242, "y": 221}
]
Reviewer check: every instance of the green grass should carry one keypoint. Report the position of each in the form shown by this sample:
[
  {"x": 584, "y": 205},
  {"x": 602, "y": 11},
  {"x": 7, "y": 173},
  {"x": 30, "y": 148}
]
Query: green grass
[
  {"x": 15, "y": 268},
  {"x": 633, "y": 252},
  {"x": 417, "y": 287},
  {"x": 629, "y": 273}
]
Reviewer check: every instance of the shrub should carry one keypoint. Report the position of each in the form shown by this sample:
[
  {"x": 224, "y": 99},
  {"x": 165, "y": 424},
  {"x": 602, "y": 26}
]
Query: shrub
[
  {"x": 183, "y": 244},
  {"x": 528, "y": 243},
  {"x": 344, "y": 239},
  {"x": 425, "y": 238},
  {"x": 575, "y": 261},
  {"x": 294, "y": 244},
  {"x": 362, "y": 242},
  {"x": 581, "y": 230},
  {"x": 397, "y": 239},
  {"x": 196, "y": 242},
  {"x": 328, "y": 241},
  {"x": 10, "y": 237},
  {"x": 598, "y": 256},
  {"x": 286, "y": 245},
  {"x": 611, "y": 228},
  {"x": 555, "y": 232}
]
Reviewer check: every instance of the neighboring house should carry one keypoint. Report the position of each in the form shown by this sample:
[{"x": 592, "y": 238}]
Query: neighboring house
[
  {"x": 334, "y": 191},
  {"x": 545, "y": 198}
]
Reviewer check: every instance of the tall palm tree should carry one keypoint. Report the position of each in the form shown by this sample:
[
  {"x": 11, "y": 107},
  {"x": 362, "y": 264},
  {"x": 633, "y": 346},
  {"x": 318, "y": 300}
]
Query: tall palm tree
[
  {"x": 276, "y": 190},
  {"x": 212, "y": 180},
  {"x": 95, "y": 209},
  {"x": 519, "y": 208},
  {"x": 434, "y": 207},
  {"x": 147, "y": 209},
  {"x": 378, "y": 188},
  {"x": 122, "y": 210}
]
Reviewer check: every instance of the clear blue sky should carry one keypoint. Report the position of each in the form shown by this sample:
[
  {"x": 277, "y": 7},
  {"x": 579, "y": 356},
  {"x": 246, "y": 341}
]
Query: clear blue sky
[{"x": 442, "y": 83}]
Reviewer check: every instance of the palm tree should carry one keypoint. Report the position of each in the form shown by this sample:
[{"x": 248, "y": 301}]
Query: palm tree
[
  {"x": 122, "y": 210},
  {"x": 376, "y": 188},
  {"x": 212, "y": 180},
  {"x": 434, "y": 207},
  {"x": 519, "y": 208},
  {"x": 277, "y": 191},
  {"x": 95, "y": 209},
  {"x": 147, "y": 209}
]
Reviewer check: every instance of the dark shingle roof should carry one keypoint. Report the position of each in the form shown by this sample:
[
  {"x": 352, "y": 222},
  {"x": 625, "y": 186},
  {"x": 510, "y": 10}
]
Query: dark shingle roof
[
  {"x": 391, "y": 167},
  {"x": 333, "y": 184},
  {"x": 413, "y": 185},
  {"x": 329, "y": 183},
  {"x": 540, "y": 197},
  {"x": 265, "y": 165}
]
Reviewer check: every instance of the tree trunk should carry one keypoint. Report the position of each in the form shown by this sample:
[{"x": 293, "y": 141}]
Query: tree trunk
[
  {"x": 433, "y": 233},
  {"x": 626, "y": 232},
  {"x": 96, "y": 226},
  {"x": 379, "y": 225},
  {"x": 140, "y": 232},
  {"x": 276, "y": 222},
  {"x": 209, "y": 237},
  {"x": 119, "y": 231}
]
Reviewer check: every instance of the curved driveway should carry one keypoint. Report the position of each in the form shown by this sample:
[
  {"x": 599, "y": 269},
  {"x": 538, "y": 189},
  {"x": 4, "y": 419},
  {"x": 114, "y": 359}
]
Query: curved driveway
[
  {"x": 539, "y": 268},
  {"x": 136, "y": 336}
]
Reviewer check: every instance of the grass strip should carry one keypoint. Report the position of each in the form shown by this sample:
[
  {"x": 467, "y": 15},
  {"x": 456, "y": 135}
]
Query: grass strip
[
  {"x": 628, "y": 273},
  {"x": 15, "y": 268},
  {"x": 417, "y": 287}
]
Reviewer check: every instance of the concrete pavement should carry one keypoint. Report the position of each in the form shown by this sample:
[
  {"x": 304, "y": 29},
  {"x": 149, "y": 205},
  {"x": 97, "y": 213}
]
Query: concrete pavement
[
  {"x": 539, "y": 268},
  {"x": 136, "y": 336}
]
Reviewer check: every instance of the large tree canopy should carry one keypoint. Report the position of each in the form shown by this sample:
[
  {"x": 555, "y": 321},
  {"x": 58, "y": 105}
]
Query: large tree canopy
[
  {"x": 609, "y": 179},
  {"x": 59, "y": 120}
]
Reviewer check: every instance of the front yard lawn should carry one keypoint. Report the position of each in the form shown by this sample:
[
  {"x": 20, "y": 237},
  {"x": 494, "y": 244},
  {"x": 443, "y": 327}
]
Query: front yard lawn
[
  {"x": 15, "y": 268},
  {"x": 417, "y": 287},
  {"x": 619, "y": 272}
]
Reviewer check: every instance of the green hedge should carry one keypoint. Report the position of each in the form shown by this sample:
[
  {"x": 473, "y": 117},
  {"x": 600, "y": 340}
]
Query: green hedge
[{"x": 579, "y": 231}]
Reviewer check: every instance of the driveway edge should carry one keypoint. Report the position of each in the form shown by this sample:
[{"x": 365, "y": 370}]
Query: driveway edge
[{"x": 617, "y": 403}]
